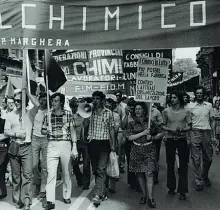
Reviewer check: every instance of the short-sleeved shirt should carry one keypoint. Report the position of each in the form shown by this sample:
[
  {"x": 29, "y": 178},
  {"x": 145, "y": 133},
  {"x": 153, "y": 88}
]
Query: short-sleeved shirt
[
  {"x": 201, "y": 114},
  {"x": 100, "y": 125},
  {"x": 14, "y": 123},
  {"x": 60, "y": 126},
  {"x": 176, "y": 119},
  {"x": 78, "y": 125},
  {"x": 38, "y": 121}
]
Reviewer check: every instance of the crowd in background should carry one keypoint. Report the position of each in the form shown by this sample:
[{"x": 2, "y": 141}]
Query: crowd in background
[{"x": 41, "y": 145}]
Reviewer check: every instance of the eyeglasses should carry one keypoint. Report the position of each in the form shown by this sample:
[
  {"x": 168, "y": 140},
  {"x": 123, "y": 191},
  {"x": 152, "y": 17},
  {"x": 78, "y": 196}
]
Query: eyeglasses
[{"x": 17, "y": 100}]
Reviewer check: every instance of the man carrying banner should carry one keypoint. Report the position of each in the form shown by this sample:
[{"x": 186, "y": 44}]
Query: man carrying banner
[
  {"x": 19, "y": 129},
  {"x": 62, "y": 145}
]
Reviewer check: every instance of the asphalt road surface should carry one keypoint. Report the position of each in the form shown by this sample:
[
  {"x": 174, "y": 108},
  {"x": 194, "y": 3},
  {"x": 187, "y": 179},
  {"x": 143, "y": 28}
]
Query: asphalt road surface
[{"x": 128, "y": 199}]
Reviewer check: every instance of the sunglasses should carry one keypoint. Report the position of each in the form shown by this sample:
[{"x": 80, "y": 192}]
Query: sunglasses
[{"x": 17, "y": 100}]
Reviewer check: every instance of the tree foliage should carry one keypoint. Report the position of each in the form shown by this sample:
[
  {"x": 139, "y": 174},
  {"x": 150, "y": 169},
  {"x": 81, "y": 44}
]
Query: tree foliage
[{"x": 187, "y": 66}]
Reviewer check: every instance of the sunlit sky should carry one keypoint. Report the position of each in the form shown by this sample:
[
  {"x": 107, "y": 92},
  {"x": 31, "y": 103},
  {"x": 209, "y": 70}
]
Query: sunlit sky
[{"x": 186, "y": 53}]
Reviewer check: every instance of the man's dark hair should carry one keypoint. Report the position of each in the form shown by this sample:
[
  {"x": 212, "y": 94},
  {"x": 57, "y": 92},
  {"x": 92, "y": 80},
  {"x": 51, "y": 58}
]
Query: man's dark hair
[
  {"x": 131, "y": 102},
  {"x": 200, "y": 88},
  {"x": 42, "y": 95},
  {"x": 179, "y": 95},
  {"x": 62, "y": 98},
  {"x": 27, "y": 98},
  {"x": 88, "y": 100},
  {"x": 187, "y": 95},
  {"x": 118, "y": 91},
  {"x": 99, "y": 94},
  {"x": 73, "y": 103}
]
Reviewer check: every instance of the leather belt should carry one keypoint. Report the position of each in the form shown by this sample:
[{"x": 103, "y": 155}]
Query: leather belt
[{"x": 142, "y": 144}]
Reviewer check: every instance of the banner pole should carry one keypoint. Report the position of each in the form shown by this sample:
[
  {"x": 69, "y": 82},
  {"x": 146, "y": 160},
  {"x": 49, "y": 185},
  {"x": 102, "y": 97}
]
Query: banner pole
[
  {"x": 23, "y": 90},
  {"x": 47, "y": 88},
  {"x": 28, "y": 73},
  {"x": 149, "y": 115}
]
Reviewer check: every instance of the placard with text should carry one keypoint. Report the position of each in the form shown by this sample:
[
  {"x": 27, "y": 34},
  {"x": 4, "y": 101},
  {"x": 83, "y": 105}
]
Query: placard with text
[{"x": 151, "y": 81}]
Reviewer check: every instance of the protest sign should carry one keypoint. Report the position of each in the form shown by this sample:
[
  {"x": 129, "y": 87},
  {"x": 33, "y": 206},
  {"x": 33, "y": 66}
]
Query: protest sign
[{"x": 151, "y": 82}]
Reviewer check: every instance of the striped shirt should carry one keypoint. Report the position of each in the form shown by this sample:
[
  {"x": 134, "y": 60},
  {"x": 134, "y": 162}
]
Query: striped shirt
[
  {"x": 100, "y": 125},
  {"x": 60, "y": 126}
]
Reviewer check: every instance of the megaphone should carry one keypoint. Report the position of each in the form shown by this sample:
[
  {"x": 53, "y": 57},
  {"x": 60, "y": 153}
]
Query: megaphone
[{"x": 85, "y": 110}]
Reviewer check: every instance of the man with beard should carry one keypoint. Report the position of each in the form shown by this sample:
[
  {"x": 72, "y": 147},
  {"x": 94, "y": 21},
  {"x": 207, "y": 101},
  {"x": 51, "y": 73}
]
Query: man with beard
[
  {"x": 19, "y": 128},
  {"x": 39, "y": 148},
  {"x": 101, "y": 134},
  {"x": 202, "y": 137}
]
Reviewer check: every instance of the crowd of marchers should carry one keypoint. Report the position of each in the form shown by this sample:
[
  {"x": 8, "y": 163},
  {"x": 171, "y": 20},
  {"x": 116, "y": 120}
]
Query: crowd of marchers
[{"x": 48, "y": 140}]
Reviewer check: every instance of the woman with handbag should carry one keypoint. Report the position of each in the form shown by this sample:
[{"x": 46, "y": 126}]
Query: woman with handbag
[{"x": 143, "y": 152}]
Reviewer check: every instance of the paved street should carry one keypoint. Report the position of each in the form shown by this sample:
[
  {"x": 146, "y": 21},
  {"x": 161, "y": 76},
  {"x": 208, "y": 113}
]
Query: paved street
[{"x": 127, "y": 199}]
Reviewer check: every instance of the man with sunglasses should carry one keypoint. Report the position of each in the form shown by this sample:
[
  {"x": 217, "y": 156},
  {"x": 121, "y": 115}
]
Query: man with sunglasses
[{"x": 19, "y": 128}]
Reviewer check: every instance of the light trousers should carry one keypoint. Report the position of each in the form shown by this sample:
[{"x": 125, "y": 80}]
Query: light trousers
[{"x": 58, "y": 150}]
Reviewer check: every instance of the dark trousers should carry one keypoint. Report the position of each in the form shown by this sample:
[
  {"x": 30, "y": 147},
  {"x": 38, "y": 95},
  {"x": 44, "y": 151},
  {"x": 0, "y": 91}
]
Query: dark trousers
[
  {"x": 3, "y": 167},
  {"x": 21, "y": 167},
  {"x": 99, "y": 152},
  {"x": 131, "y": 177},
  {"x": 182, "y": 148},
  {"x": 82, "y": 178},
  {"x": 158, "y": 146}
]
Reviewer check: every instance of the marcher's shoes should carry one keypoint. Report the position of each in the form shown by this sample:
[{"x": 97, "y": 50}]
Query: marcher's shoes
[
  {"x": 96, "y": 200},
  {"x": 85, "y": 187},
  {"x": 112, "y": 191},
  {"x": 19, "y": 205},
  {"x": 43, "y": 195},
  {"x": 199, "y": 188},
  {"x": 143, "y": 200},
  {"x": 67, "y": 201},
  {"x": 207, "y": 182},
  {"x": 151, "y": 203},
  {"x": 3, "y": 196},
  {"x": 171, "y": 192},
  {"x": 49, "y": 206},
  {"x": 27, "y": 207},
  {"x": 182, "y": 196}
]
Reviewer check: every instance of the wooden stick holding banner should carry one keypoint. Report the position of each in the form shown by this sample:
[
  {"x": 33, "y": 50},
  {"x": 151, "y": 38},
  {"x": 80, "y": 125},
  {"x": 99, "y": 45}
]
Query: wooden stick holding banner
[
  {"x": 28, "y": 72},
  {"x": 23, "y": 91},
  {"x": 149, "y": 115},
  {"x": 47, "y": 89}
]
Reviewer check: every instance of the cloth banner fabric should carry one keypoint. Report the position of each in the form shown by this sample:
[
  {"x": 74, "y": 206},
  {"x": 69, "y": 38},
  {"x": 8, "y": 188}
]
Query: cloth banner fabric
[
  {"x": 104, "y": 24},
  {"x": 107, "y": 70}
]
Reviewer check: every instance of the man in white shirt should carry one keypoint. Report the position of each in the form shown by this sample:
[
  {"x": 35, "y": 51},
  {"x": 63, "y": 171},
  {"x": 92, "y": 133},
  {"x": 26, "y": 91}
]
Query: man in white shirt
[
  {"x": 9, "y": 107},
  {"x": 39, "y": 148},
  {"x": 19, "y": 129},
  {"x": 202, "y": 137},
  {"x": 216, "y": 97},
  {"x": 121, "y": 110}
]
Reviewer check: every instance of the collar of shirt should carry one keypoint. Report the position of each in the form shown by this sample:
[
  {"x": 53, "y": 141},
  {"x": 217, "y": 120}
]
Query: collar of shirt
[{"x": 63, "y": 113}]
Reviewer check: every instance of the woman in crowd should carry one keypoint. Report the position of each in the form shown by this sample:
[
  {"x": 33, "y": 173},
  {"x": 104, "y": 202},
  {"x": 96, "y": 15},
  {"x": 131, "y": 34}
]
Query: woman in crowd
[
  {"x": 176, "y": 123},
  {"x": 143, "y": 152},
  {"x": 217, "y": 119}
]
